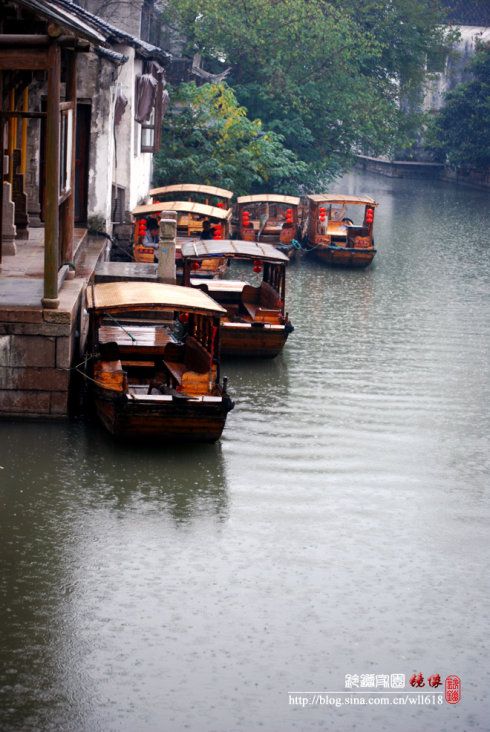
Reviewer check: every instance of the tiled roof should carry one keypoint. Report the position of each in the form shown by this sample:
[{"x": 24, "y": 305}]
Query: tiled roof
[{"x": 90, "y": 26}]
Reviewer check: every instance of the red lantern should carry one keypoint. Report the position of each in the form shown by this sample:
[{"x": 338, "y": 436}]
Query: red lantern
[
  {"x": 322, "y": 213},
  {"x": 196, "y": 265},
  {"x": 257, "y": 266},
  {"x": 220, "y": 205},
  {"x": 369, "y": 215},
  {"x": 289, "y": 216},
  {"x": 218, "y": 232}
]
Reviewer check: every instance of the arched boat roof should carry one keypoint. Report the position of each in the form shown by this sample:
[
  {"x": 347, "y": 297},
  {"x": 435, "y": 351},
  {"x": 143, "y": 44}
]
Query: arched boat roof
[
  {"x": 340, "y": 198},
  {"x": 183, "y": 207},
  {"x": 269, "y": 198},
  {"x": 198, "y": 249},
  {"x": 192, "y": 188},
  {"x": 130, "y": 296}
]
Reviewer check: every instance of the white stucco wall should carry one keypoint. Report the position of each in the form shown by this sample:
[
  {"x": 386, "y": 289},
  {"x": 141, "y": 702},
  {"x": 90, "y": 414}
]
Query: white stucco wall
[
  {"x": 96, "y": 84},
  {"x": 437, "y": 84},
  {"x": 114, "y": 156},
  {"x": 134, "y": 168}
]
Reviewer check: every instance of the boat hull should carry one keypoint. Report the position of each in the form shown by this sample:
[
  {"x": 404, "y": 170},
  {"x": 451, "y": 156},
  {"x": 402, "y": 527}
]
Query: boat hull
[
  {"x": 162, "y": 418},
  {"x": 253, "y": 340},
  {"x": 344, "y": 256}
]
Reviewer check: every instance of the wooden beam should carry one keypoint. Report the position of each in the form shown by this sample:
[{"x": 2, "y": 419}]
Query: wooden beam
[
  {"x": 52, "y": 176},
  {"x": 16, "y": 59}
]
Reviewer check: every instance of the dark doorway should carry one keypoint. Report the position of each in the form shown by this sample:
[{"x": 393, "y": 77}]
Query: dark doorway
[{"x": 84, "y": 114}]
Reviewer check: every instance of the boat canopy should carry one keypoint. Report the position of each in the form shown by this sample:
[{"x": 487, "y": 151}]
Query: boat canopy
[
  {"x": 339, "y": 198},
  {"x": 128, "y": 296},
  {"x": 192, "y": 188},
  {"x": 269, "y": 198},
  {"x": 183, "y": 207},
  {"x": 231, "y": 248}
]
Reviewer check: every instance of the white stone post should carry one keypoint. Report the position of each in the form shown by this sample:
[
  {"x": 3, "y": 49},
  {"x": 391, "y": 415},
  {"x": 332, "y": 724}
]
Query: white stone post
[{"x": 166, "y": 248}]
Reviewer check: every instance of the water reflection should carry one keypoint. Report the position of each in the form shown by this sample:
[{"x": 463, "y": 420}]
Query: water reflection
[{"x": 340, "y": 526}]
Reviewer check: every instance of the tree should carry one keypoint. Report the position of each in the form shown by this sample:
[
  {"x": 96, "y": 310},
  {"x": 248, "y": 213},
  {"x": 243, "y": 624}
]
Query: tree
[
  {"x": 208, "y": 138},
  {"x": 461, "y": 130},
  {"x": 325, "y": 75}
]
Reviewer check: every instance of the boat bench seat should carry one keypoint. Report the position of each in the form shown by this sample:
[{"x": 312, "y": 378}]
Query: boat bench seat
[
  {"x": 138, "y": 364},
  {"x": 195, "y": 361},
  {"x": 261, "y": 303}
]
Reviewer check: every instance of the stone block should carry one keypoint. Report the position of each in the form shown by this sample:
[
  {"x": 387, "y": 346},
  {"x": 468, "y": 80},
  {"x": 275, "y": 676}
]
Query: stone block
[
  {"x": 65, "y": 348},
  {"x": 25, "y": 403},
  {"x": 21, "y": 315},
  {"x": 23, "y": 351},
  {"x": 69, "y": 297},
  {"x": 41, "y": 329},
  {"x": 33, "y": 379},
  {"x": 59, "y": 403},
  {"x": 8, "y": 216}
]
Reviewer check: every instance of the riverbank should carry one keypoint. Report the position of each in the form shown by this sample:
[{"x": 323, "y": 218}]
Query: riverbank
[
  {"x": 423, "y": 170},
  {"x": 38, "y": 346}
]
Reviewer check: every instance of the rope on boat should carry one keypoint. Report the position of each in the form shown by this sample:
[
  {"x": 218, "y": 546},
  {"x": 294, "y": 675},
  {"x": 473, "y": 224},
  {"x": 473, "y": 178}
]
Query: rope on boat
[{"x": 108, "y": 315}]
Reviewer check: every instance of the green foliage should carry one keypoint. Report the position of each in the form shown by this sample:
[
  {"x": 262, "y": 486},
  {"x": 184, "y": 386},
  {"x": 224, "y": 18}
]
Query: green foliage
[
  {"x": 208, "y": 138},
  {"x": 461, "y": 131},
  {"x": 324, "y": 75}
]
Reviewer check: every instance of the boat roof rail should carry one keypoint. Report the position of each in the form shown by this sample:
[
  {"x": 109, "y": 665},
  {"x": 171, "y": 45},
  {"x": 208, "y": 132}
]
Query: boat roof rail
[
  {"x": 269, "y": 198},
  {"x": 132, "y": 296},
  {"x": 183, "y": 207},
  {"x": 198, "y": 249},
  {"x": 192, "y": 188},
  {"x": 341, "y": 198}
]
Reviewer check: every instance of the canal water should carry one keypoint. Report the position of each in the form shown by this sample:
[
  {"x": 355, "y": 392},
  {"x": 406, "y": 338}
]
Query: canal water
[{"x": 339, "y": 527}]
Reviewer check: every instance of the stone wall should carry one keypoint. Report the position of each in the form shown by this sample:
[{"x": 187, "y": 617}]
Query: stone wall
[{"x": 37, "y": 349}]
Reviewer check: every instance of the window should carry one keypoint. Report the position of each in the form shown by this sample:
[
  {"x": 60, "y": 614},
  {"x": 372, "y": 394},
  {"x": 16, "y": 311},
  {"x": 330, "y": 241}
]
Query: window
[
  {"x": 151, "y": 131},
  {"x": 118, "y": 205},
  {"x": 436, "y": 62},
  {"x": 66, "y": 144}
]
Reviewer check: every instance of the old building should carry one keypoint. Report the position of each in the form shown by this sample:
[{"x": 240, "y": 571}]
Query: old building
[
  {"x": 81, "y": 106},
  {"x": 471, "y": 18}
]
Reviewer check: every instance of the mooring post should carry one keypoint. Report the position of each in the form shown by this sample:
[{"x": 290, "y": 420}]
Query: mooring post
[{"x": 166, "y": 248}]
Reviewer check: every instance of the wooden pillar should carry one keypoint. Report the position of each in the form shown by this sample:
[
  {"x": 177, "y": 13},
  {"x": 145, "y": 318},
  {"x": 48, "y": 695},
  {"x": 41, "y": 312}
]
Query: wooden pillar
[
  {"x": 52, "y": 173},
  {"x": 68, "y": 209},
  {"x": 23, "y": 145},
  {"x": 12, "y": 142}
]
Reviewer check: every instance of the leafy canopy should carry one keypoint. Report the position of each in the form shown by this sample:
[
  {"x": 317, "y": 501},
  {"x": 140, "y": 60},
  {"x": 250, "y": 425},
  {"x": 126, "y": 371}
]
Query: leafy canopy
[
  {"x": 208, "y": 138},
  {"x": 325, "y": 75},
  {"x": 461, "y": 130}
]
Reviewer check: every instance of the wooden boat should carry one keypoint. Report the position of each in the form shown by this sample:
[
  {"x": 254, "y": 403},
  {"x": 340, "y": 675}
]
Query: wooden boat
[
  {"x": 332, "y": 237},
  {"x": 268, "y": 218},
  {"x": 190, "y": 219},
  {"x": 255, "y": 323},
  {"x": 156, "y": 369},
  {"x": 210, "y": 195}
]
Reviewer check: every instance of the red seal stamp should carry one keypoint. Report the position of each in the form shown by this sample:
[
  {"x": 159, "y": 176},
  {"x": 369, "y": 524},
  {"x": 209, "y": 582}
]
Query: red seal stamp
[{"x": 452, "y": 688}]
